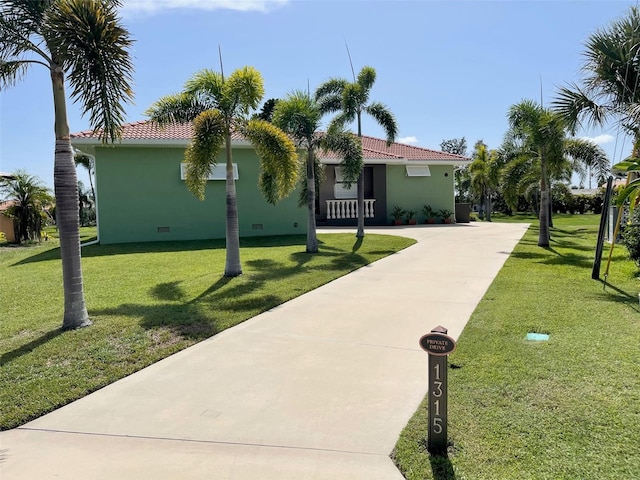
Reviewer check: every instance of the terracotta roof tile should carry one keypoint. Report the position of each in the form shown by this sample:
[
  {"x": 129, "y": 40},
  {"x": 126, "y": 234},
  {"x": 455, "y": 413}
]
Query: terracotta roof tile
[
  {"x": 146, "y": 130},
  {"x": 373, "y": 148},
  {"x": 5, "y": 204}
]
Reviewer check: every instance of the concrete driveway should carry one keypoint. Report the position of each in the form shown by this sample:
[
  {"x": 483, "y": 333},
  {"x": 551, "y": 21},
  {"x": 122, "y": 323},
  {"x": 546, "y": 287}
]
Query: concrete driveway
[{"x": 317, "y": 388}]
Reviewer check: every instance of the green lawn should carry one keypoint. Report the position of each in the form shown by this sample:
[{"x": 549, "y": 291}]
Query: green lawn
[
  {"x": 568, "y": 408},
  {"x": 147, "y": 301}
]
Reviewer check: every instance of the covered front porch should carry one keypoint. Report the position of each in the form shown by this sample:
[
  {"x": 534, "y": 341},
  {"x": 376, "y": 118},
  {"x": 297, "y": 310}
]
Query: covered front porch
[{"x": 338, "y": 205}]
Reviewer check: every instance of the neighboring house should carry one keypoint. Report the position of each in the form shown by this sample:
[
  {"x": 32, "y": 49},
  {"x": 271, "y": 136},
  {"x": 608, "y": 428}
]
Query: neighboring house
[
  {"x": 141, "y": 194},
  {"x": 591, "y": 192},
  {"x": 7, "y": 225}
]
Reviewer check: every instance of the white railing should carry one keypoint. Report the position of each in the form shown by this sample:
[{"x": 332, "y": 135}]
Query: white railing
[{"x": 348, "y": 208}]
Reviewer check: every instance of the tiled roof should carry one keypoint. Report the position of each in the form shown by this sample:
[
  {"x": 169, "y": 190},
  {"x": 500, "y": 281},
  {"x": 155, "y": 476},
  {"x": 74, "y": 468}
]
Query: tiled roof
[
  {"x": 372, "y": 148},
  {"x": 376, "y": 148},
  {"x": 146, "y": 130},
  {"x": 5, "y": 204}
]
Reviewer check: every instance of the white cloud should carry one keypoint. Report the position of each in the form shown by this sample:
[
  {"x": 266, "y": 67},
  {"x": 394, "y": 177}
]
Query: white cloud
[
  {"x": 600, "y": 139},
  {"x": 153, "y": 6},
  {"x": 408, "y": 140}
]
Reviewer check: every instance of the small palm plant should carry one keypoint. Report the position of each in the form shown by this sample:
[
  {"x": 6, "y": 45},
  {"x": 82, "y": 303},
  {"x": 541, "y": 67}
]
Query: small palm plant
[
  {"x": 429, "y": 213},
  {"x": 410, "y": 214},
  {"x": 397, "y": 213},
  {"x": 445, "y": 215}
]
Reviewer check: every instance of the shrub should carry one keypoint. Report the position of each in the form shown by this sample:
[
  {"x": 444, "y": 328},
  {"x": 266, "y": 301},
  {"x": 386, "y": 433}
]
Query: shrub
[{"x": 631, "y": 237}]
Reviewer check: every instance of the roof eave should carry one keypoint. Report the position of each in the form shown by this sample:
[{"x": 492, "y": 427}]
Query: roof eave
[
  {"x": 398, "y": 161},
  {"x": 147, "y": 142}
]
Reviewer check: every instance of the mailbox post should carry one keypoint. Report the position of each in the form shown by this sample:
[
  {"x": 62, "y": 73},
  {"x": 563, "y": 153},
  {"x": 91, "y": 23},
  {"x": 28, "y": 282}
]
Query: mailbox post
[{"x": 438, "y": 345}]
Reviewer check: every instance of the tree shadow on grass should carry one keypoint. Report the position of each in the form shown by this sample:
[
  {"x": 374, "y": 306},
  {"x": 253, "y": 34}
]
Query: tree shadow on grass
[
  {"x": 129, "y": 248},
  {"x": 29, "y": 347},
  {"x": 357, "y": 245},
  {"x": 441, "y": 467},
  {"x": 169, "y": 291},
  {"x": 182, "y": 319},
  {"x": 167, "y": 246}
]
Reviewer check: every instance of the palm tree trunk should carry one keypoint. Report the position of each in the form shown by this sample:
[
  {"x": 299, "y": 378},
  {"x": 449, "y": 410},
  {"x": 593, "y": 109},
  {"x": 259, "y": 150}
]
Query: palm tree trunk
[
  {"x": 312, "y": 239},
  {"x": 360, "y": 202},
  {"x": 93, "y": 190},
  {"x": 65, "y": 184},
  {"x": 543, "y": 238},
  {"x": 233, "y": 267},
  {"x": 487, "y": 197}
]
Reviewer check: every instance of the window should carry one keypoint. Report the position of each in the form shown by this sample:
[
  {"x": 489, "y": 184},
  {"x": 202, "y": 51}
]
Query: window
[
  {"x": 340, "y": 190},
  {"x": 218, "y": 172},
  {"x": 415, "y": 171}
]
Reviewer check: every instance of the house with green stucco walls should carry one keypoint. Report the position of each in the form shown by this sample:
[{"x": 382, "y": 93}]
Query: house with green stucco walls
[{"x": 142, "y": 196}]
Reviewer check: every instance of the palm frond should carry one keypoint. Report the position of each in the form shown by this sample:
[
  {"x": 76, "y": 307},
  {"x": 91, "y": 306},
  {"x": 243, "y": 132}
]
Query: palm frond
[
  {"x": 353, "y": 100},
  {"x": 630, "y": 164},
  {"x": 208, "y": 87},
  {"x": 177, "y": 108},
  {"x": 19, "y": 24},
  {"x": 85, "y": 160},
  {"x": 11, "y": 72},
  {"x": 339, "y": 122},
  {"x": 208, "y": 137},
  {"x": 278, "y": 159},
  {"x": 383, "y": 116},
  {"x": 246, "y": 87},
  {"x": 87, "y": 40},
  {"x": 298, "y": 115},
  {"x": 576, "y": 108},
  {"x": 590, "y": 155},
  {"x": 330, "y": 103},
  {"x": 349, "y": 149},
  {"x": 366, "y": 78},
  {"x": 629, "y": 192},
  {"x": 331, "y": 87},
  {"x": 517, "y": 177}
]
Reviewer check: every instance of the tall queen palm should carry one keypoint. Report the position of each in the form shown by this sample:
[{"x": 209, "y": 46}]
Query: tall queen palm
[
  {"x": 351, "y": 100},
  {"x": 299, "y": 115},
  {"x": 543, "y": 147},
  {"x": 84, "y": 41},
  {"x": 218, "y": 106},
  {"x": 485, "y": 174}
]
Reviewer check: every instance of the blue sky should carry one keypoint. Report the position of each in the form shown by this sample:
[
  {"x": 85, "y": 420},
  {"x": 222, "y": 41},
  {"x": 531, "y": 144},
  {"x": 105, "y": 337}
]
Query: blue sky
[{"x": 446, "y": 69}]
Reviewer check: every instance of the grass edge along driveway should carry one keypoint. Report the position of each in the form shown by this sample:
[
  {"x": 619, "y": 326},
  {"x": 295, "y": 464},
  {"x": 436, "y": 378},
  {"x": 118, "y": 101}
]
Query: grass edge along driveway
[
  {"x": 147, "y": 301},
  {"x": 567, "y": 408}
]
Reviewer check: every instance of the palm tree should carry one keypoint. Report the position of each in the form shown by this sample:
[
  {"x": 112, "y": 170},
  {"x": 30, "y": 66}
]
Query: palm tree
[
  {"x": 610, "y": 89},
  {"x": 85, "y": 205},
  {"x": 610, "y": 85},
  {"x": 83, "y": 41},
  {"x": 537, "y": 147},
  {"x": 461, "y": 176},
  {"x": 485, "y": 175},
  {"x": 299, "y": 116},
  {"x": 351, "y": 99},
  {"x": 30, "y": 198},
  {"x": 218, "y": 107},
  {"x": 86, "y": 161}
]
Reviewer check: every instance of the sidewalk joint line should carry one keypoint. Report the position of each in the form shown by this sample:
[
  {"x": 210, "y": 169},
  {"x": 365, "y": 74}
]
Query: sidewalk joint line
[{"x": 190, "y": 440}]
